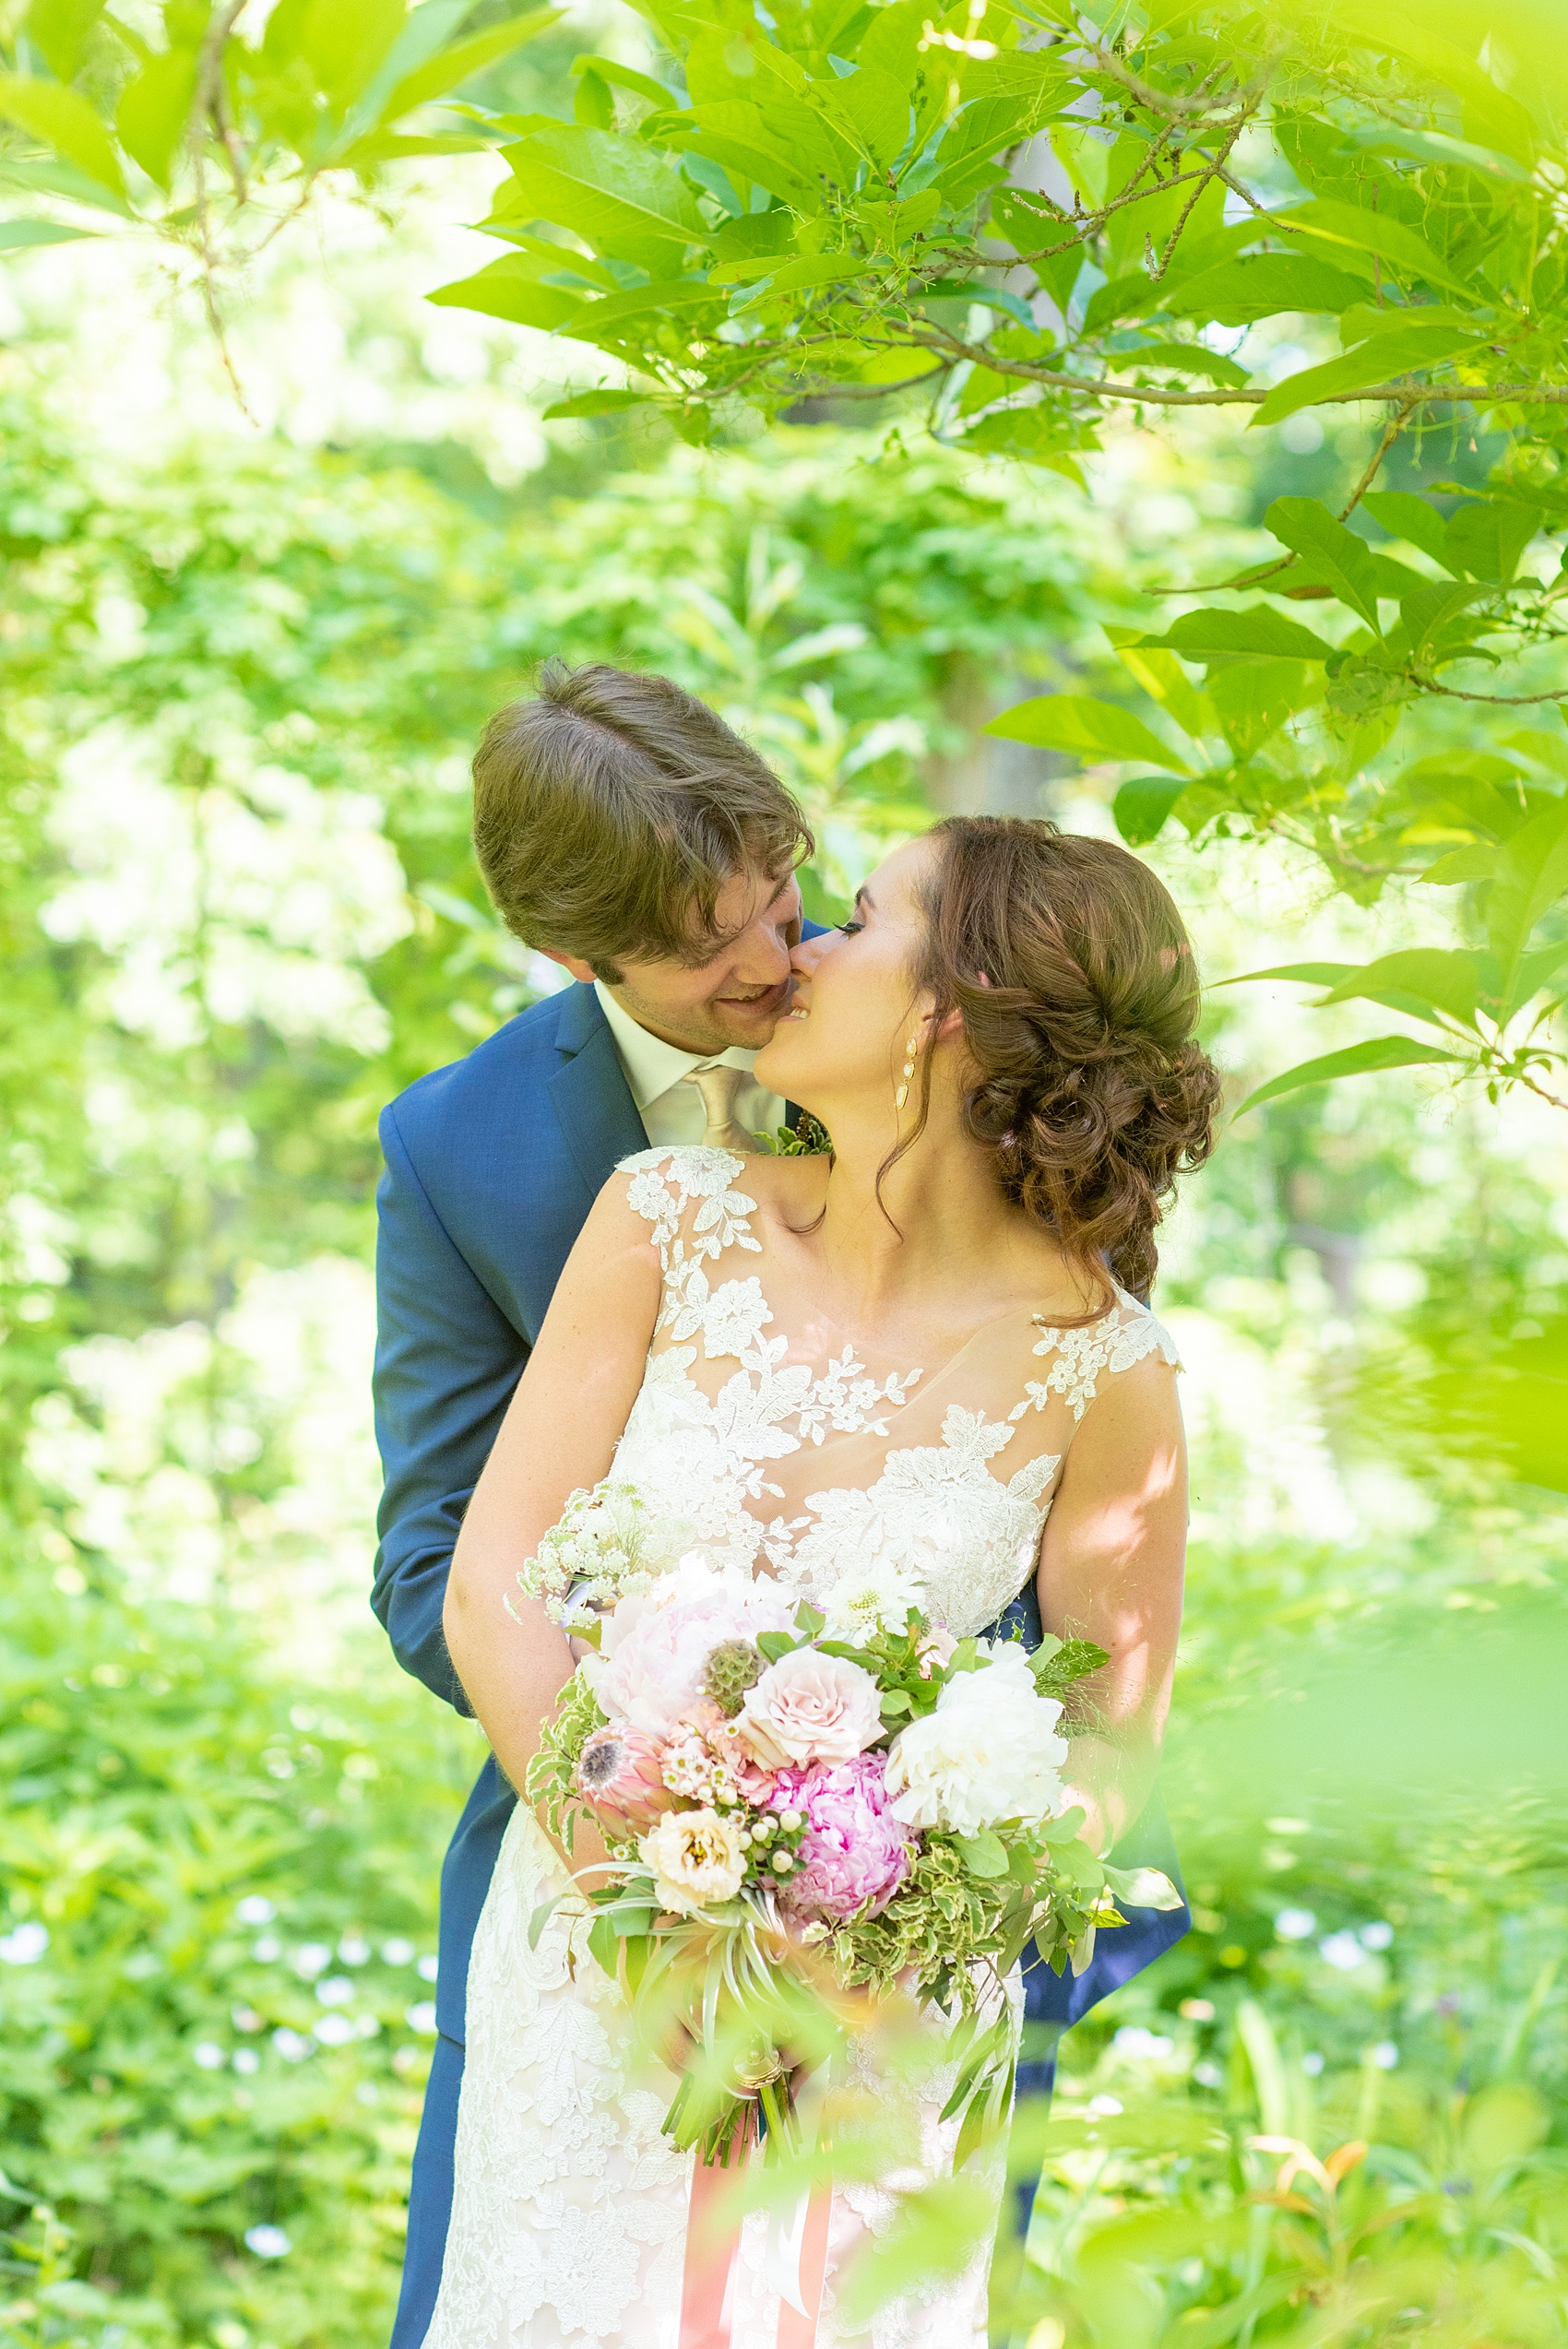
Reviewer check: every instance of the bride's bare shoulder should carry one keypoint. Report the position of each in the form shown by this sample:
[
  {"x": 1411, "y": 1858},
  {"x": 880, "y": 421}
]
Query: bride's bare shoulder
[{"x": 785, "y": 1189}]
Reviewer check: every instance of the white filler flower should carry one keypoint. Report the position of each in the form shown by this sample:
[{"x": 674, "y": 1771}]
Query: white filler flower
[
  {"x": 989, "y": 1751},
  {"x": 696, "y": 1857}
]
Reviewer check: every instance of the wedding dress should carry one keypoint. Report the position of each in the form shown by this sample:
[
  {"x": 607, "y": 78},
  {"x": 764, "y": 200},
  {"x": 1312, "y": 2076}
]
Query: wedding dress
[{"x": 774, "y": 1447}]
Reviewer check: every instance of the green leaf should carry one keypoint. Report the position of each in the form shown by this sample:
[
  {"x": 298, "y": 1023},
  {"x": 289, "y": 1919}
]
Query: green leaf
[
  {"x": 604, "y": 321},
  {"x": 1476, "y": 863},
  {"x": 451, "y": 66},
  {"x": 1095, "y": 730},
  {"x": 510, "y": 289},
  {"x": 608, "y": 402},
  {"x": 1260, "y": 286},
  {"x": 1069, "y": 1660},
  {"x": 62, "y": 119},
  {"x": 872, "y": 111},
  {"x": 1143, "y": 1888},
  {"x": 1427, "y": 610},
  {"x": 1427, "y": 977},
  {"x": 1182, "y": 359},
  {"x": 1141, "y": 807},
  {"x": 17, "y": 235},
  {"x": 540, "y": 1917},
  {"x": 797, "y": 277},
  {"x": 1363, "y": 231},
  {"x": 1337, "y": 555},
  {"x": 1258, "y": 631},
  {"x": 345, "y": 42},
  {"x": 60, "y": 29},
  {"x": 1543, "y": 749},
  {"x": 1532, "y": 873},
  {"x": 1311, "y": 974},
  {"x": 1254, "y": 698},
  {"x": 54, "y": 177},
  {"x": 616, "y": 194},
  {"x": 773, "y": 1644},
  {"x": 1537, "y": 972},
  {"x": 1385, "y": 360},
  {"x": 1163, "y": 678},
  {"x": 1408, "y": 517},
  {"x": 604, "y": 1944},
  {"x": 593, "y": 104},
  {"x": 154, "y": 109},
  {"x": 733, "y": 133},
  {"x": 622, "y": 77},
  {"x": 1360, "y": 1060},
  {"x": 1484, "y": 541},
  {"x": 983, "y": 1854}
]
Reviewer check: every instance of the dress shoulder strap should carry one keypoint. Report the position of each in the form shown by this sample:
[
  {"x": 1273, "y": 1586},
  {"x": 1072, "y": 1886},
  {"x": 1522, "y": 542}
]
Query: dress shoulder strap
[
  {"x": 1088, "y": 1351},
  {"x": 669, "y": 1183}
]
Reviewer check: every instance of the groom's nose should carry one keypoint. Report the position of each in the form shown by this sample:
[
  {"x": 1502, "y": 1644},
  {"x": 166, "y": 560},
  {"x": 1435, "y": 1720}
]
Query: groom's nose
[{"x": 763, "y": 950}]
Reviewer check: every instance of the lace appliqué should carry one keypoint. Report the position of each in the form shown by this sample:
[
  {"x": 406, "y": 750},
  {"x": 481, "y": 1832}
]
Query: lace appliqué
[
  {"x": 569, "y": 2208},
  {"x": 936, "y": 1512},
  {"x": 1116, "y": 1342}
]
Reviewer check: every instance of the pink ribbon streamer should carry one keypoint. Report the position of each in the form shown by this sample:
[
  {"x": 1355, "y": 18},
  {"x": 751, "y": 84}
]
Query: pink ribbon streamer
[{"x": 712, "y": 2246}]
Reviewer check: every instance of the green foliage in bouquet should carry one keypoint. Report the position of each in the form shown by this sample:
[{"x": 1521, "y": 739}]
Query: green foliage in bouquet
[{"x": 551, "y": 1783}]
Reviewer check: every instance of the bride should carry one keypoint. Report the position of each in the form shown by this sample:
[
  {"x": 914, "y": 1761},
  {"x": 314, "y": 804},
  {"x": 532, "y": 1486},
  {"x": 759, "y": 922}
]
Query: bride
[{"x": 924, "y": 1347}]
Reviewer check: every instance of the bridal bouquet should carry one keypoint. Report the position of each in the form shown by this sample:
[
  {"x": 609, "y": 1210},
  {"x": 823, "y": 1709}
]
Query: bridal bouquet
[{"x": 805, "y": 1804}]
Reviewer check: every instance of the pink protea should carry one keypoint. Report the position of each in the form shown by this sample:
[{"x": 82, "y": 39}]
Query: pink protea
[
  {"x": 618, "y": 1771},
  {"x": 853, "y": 1852}
]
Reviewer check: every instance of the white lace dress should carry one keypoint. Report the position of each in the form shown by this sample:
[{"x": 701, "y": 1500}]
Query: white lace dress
[{"x": 782, "y": 1454}]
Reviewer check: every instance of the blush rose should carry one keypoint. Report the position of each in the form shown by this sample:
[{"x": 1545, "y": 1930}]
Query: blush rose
[{"x": 810, "y": 1707}]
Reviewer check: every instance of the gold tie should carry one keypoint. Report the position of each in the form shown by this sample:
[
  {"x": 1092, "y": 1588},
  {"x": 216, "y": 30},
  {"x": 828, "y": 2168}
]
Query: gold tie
[{"x": 718, "y": 1085}]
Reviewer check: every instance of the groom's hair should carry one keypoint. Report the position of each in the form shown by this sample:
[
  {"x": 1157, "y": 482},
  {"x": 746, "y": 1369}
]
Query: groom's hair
[{"x": 610, "y": 810}]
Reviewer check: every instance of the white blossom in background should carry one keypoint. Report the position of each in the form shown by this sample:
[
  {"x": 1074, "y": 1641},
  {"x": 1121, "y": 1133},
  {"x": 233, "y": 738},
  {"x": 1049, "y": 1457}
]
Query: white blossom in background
[
  {"x": 255, "y": 898},
  {"x": 162, "y": 1415}
]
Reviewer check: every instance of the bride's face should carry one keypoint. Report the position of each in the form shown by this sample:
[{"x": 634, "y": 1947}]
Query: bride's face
[{"x": 854, "y": 1007}]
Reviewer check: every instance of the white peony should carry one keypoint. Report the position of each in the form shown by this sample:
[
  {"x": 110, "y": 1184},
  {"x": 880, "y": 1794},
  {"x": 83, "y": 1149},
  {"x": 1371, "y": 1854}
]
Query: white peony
[
  {"x": 871, "y": 1598},
  {"x": 696, "y": 1857},
  {"x": 989, "y": 1751}
]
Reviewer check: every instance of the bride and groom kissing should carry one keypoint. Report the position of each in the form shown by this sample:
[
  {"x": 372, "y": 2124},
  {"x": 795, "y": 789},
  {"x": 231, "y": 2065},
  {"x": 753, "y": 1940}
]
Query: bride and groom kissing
[{"x": 999, "y": 1042}]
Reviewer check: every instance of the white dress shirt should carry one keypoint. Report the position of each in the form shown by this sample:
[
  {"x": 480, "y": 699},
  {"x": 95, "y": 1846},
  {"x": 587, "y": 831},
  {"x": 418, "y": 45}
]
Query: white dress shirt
[{"x": 672, "y": 1110}]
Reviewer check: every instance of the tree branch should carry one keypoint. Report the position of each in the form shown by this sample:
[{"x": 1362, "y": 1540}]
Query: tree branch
[{"x": 210, "y": 97}]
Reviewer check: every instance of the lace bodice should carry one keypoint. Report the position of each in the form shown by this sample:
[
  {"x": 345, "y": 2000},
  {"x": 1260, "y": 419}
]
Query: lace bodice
[
  {"x": 760, "y": 1440},
  {"x": 760, "y": 1437}
]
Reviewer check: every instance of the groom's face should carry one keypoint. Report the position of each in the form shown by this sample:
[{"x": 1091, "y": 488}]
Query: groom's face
[{"x": 735, "y": 994}]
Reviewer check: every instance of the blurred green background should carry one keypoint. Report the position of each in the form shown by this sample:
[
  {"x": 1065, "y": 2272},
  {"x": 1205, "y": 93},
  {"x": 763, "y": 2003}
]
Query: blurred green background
[{"x": 242, "y": 668}]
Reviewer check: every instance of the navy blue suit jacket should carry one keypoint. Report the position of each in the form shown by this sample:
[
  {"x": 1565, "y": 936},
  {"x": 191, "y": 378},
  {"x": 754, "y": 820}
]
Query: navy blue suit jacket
[{"x": 492, "y": 1167}]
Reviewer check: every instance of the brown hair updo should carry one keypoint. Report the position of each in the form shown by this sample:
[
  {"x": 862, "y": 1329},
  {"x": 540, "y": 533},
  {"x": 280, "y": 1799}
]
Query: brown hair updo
[{"x": 1080, "y": 997}]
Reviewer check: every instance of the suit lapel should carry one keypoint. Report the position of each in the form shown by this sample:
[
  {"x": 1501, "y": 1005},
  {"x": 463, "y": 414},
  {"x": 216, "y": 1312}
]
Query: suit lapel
[{"x": 590, "y": 1094}]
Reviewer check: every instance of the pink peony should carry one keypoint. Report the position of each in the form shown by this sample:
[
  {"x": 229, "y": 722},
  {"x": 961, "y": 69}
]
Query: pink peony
[
  {"x": 655, "y": 1647},
  {"x": 811, "y": 1707},
  {"x": 618, "y": 1769},
  {"x": 854, "y": 1852}
]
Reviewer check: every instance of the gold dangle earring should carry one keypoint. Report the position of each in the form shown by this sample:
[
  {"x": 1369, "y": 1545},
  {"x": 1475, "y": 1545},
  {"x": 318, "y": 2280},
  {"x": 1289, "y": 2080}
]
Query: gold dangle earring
[{"x": 910, "y": 1049}]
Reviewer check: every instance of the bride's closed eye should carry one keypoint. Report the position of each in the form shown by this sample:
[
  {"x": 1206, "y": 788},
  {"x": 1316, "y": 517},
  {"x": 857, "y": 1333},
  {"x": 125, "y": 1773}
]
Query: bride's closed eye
[{"x": 851, "y": 927}]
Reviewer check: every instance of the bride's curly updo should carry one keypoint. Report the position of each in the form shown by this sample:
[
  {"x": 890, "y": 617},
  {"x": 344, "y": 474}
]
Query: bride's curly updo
[{"x": 1075, "y": 978}]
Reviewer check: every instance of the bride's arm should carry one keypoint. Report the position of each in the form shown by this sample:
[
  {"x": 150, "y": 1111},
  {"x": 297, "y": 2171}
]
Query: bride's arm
[
  {"x": 1110, "y": 1571},
  {"x": 560, "y": 1432}
]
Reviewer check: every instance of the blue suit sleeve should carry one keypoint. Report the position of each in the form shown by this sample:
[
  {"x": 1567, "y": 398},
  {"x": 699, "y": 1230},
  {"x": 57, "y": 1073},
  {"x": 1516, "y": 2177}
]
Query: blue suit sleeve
[{"x": 446, "y": 1360}]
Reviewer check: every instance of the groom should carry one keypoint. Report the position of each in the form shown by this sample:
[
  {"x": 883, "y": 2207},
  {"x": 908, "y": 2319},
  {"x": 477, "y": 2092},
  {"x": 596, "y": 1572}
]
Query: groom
[{"x": 628, "y": 834}]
